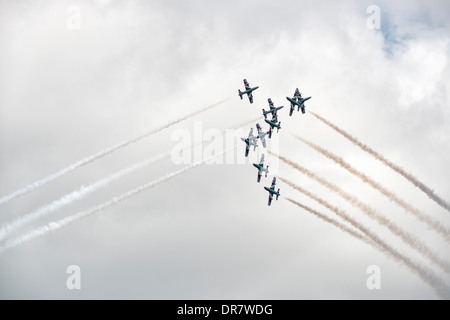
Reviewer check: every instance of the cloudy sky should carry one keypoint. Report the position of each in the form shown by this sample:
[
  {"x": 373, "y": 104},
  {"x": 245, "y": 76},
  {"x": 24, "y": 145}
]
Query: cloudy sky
[{"x": 77, "y": 77}]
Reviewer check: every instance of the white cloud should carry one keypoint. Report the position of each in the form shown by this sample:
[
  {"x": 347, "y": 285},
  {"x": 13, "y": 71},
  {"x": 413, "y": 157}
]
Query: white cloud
[{"x": 65, "y": 94}]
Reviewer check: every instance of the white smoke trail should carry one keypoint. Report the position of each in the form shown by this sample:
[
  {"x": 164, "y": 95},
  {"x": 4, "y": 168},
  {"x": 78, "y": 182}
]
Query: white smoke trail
[
  {"x": 89, "y": 159},
  {"x": 426, "y": 274},
  {"x": 84, "y": 191},
  {"x": 407, "y": 237},
  {"x": 427, "y": 190},
  {"x": 76, "y": 195},
  {"x": 53, "y": 226},
  {"x": 432, "y": 223}
]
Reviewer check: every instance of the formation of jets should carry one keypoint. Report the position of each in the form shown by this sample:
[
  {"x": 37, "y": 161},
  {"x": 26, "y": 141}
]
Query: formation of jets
[
  {"x": 274, "y": 123},
  {"x": 252, "y": 140}
]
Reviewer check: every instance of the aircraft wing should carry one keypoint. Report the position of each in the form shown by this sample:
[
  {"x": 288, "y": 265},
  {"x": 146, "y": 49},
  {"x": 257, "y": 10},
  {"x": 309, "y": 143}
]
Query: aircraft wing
[
  {"x": 247, "y": 148},
  {"x": 293, "y": 101},
  {"x": 259, "y": 176},
  {"x": 250, "y": 97},
  {"x": 247, "y": 86},
  {"x": 270, "y": 199},
  {"x": 274, "y": 181},
  {"x": 263, "y": 141},
  {"x": 255, "y": 144},
  {"x": 250, "y": 133},
  {"x": 262, "y": 159}
]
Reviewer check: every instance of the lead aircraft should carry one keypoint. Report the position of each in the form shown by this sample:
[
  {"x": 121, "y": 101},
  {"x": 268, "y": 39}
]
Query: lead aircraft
[{"x": 248, "y": 91}]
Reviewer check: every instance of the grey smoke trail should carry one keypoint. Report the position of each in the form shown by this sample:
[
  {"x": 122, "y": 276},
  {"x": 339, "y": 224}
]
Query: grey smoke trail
[
  {"x": 423, "y": 272},
  {"x": 84, "y": 191},
  {"x": 98, "y": 155},
  {"x": 407, "y": 237},
  {"x": 336, "y": 223},
  {"x": 53, "y": 226},
  {"x": 432, "y": 223},
  {"x": 427, "y": 190}
]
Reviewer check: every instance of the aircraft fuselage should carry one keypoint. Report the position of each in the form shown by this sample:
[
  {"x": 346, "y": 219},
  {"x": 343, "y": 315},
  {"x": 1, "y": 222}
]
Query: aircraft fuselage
[{"x": 272, "y": 191}]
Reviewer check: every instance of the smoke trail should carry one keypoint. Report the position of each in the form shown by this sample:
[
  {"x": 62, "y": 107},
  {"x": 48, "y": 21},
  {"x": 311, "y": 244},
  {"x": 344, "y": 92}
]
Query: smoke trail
[
  {"x": 98, "y": 155},
  {"x": 247, "y": 123},
  {"x": 76, "y": 195},
  {"x": 432, "y": 223},
  {"x": 408, "y": 238},
  {"x": 423, "y": 272},
  {"x": 336, "y": 223},
  {"x": 84, "y": 191},
  {"x": 53, "y": 226},
  {"x": 428, "y": 191}
]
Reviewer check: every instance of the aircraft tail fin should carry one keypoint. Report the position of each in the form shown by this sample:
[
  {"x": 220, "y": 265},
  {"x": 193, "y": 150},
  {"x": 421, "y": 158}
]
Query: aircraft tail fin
[{"x": 240, "y": 93}]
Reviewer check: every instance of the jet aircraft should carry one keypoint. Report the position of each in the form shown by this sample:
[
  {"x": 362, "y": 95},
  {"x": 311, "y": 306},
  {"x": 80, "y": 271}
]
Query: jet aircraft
[
  {"x": 261, "y": 168},
  {"x": 272, "y": 110},
  {"x": 251, "y": 140},
  {"x": 273, "y": 124},
  {"x": 261, "y": 135},
  {"x": 298, "y": 101},
  {"x": 248, "y": 91},
  {"x": 272, "y": 191}
]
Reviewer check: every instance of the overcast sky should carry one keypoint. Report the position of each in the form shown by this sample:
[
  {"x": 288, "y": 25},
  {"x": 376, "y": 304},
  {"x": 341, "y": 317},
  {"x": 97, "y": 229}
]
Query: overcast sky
[{"x": 79, "y": 76}]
